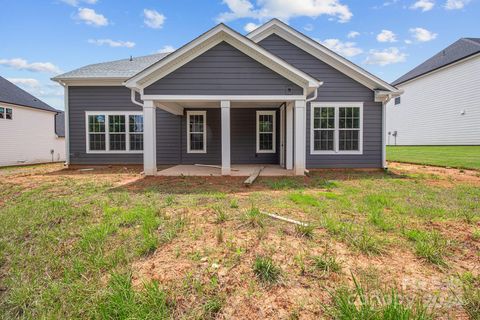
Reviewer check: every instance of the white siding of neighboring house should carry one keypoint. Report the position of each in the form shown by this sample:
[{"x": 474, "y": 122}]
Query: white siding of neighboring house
[
  {"x": 29, "y": 137},
  {"x": 430, "y": 112}
]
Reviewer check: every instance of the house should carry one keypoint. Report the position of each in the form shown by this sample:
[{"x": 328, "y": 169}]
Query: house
[
  {"x": 31, "y": 131},
  {"x": 274, "y": 96},
  {"x": 440, "y": 104}
]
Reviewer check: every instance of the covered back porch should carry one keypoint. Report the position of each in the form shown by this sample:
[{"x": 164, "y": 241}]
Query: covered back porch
[{"x": 235, "y": 134}]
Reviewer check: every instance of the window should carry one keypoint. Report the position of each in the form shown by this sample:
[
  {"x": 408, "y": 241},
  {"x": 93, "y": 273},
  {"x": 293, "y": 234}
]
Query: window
[
  {"x": 196, "y": 131},
  {"x": 114, "y": 132},
  {"x": 265, "y": 131},
  {"x": 336, "y": 128},
  {"x": 2, "y": 113},
  {"x": 397, "y": 101},
  {"x": 8, "y": 114}
]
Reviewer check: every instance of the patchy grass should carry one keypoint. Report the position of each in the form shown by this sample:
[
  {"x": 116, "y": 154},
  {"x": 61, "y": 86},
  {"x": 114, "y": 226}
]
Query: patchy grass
[
  {"x": 111, "y": 244},
  {"x": 266, "y": 270},
  {"x": 429, "y": 245},
  {"x": 387, "y": 304},
  {"x": 466, "y": 157},
  {"x": 470, "y": 295}
]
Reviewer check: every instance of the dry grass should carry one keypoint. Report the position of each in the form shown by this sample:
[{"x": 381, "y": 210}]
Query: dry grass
[{"x": 112, "y": 244}]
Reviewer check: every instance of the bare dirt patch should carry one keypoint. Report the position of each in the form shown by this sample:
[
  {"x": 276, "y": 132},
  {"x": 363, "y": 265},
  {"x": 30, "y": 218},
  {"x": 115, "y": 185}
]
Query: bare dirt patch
[{"x": 448, "y": 176}]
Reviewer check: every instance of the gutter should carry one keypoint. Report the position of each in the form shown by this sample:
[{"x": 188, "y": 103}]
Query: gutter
[
  {"x": 132, "y": 97},
  {"x": 315, "y": 93}
]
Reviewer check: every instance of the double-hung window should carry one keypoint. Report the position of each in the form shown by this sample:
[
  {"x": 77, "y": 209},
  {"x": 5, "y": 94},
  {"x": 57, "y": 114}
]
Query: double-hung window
[
  {"x": 265, "y": 131},
  {"x": 114, "y": 132},
  {"x": 196, "y": 131},
  {"x": 6, "y": 113},
  {"x": 336, "y": 128}
]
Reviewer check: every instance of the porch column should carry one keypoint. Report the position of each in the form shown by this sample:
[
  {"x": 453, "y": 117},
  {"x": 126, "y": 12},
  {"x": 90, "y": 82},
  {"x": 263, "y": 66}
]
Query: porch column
[
  {"x": 289, "y": 137},
  {"x": 225, "y": 106},
  {"x": 149, "y": 138},
  {"x": 300, "y": 137}
]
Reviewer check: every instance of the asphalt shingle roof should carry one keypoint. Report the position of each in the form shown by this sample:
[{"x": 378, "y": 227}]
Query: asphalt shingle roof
[
  {"x": 459, "y": 50},
  {"x": 124, "y": 68},
  {"x": 10, "y": 93}
]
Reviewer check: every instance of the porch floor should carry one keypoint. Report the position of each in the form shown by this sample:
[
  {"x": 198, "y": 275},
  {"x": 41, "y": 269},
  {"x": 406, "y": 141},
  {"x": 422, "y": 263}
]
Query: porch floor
[{"x": 241, "y": 170}]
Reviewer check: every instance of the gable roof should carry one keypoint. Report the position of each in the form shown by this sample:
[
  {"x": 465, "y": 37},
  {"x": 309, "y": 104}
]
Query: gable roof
[
  {"x": 328, "y": 56},
  {"x": 11, "y": 93},
  {"x": 459, "y": 50},
  {"x": 216, "y": 35},
  {"x": 119, "y": 69}
]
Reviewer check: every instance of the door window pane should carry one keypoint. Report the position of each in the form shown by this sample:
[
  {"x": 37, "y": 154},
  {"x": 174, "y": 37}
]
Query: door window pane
[{"x": 266, "y": 131}]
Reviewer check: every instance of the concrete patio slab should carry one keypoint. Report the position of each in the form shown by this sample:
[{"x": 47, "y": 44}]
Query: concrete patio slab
[{"x": 237, "y": 171}]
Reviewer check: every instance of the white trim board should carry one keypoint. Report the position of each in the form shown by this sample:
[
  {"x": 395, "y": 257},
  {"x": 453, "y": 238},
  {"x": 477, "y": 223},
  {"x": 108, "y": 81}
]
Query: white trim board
[
  {"x": 107, "y": 132},
  {"x": 336, "y": 130},
  {"x": 207, "y": 41},
  {"x": 319, "y": 51},
  {"x": 252, "y": 98},
  {"x": 204, "y": 114}
]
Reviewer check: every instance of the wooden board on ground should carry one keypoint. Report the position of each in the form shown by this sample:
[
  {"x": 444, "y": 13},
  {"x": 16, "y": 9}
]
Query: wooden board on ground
[{"x": 250, "y": 180}]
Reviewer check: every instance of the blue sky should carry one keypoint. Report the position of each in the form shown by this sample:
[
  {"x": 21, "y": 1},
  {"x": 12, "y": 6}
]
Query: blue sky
[{"x": 41, "y": 38}]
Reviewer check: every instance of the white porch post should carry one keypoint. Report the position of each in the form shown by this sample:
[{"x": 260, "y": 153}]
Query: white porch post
[
  {"x": 225, "y": 106},
  {"x": 149, "y": 138},
  {"x": 289, "y": 137},
  {"x": 300, "y": 137}
]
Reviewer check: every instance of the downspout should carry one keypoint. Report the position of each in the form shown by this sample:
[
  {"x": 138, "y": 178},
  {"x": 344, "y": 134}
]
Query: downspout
[
  {"x": 315, "y": 94},
  {"x": 384, "y": 131},
  {"x": 67, "y": 123},
  {"x": 133, "y": 98}
]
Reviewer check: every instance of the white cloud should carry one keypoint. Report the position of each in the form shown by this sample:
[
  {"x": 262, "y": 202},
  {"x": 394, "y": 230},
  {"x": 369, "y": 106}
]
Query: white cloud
[
  {"x": 25, "y": 82},
  {"x": 386, "y": 36},
  {"x": 112, "y": 43},
  {"x": 166, "y": 49},
  {"x": 424, "y": 5},
  {"x": 22, "y": 64},
  {"x": 347, "y": 49},
  {"x": 408, "y": 41},
  {"x": 284, "y": 9},
  {"x": 76, "y": 3},
  {"x": 353, "y": 34},
  {"x": 153, "y": 18},
  {"x": 422, "y": 35},
  {"x": 308, "y": 27},
  {"x": 456, "y": 4},
  {"x": 249, "y": 27},
  {"x": 385, "y": 57},
  {"x": 90, "y": 17}
]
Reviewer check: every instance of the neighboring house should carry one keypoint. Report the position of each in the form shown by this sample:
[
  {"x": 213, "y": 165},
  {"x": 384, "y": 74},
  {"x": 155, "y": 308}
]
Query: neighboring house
[
  {"x": 441, "y": 100},
  {"x": 31, "y": 130},
  {"x": 274, "y": 96}
]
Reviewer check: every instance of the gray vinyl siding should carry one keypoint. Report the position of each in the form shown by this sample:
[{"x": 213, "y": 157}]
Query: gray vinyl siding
[
  {"x": 82, "y": 99},
  {"x": 337, "y": 87},
  {"x": 244, "y": 138},
  {"x": 172, "y": 138},
  {"x": 223, "y": 70}
]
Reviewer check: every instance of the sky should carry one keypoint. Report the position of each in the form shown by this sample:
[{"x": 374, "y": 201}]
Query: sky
[{"x": 42, "y": 38}]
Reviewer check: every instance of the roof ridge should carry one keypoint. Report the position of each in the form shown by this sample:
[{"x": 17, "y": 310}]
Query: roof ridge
[{"x": 470, "y": 40}]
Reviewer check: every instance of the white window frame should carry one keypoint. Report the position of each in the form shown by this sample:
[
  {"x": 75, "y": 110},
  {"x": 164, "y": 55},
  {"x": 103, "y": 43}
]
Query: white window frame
[
  {"x": 274, "y": 132},
  {"x": 197, "y": 113},
  {"x": 336, "y": 135},
  {"x": 6, "y": 113},
  {"x": 107, "y": 131}
]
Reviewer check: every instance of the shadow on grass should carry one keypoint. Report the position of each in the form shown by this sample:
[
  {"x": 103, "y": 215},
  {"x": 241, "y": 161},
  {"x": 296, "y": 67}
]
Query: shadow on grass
[{"x": 197, "y": 185}]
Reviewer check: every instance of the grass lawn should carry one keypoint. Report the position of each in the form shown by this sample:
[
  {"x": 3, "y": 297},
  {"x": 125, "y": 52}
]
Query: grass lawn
[
  {"x": 114, "y": 245},
  {"x": 466, "y": 157}
]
